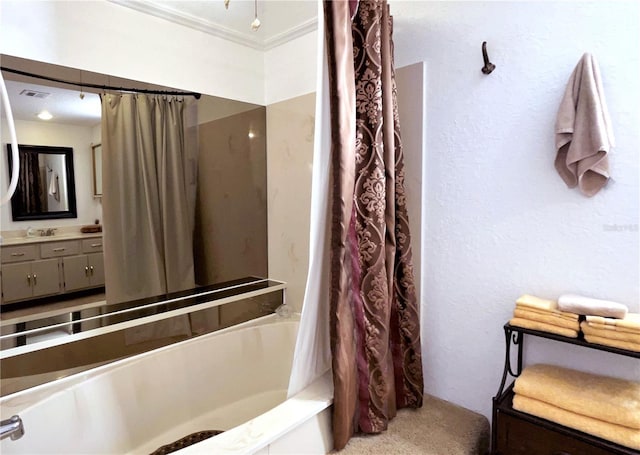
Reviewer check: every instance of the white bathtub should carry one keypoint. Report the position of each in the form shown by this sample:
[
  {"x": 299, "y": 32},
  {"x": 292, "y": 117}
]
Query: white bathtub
[{"x": 233, "y": 380}]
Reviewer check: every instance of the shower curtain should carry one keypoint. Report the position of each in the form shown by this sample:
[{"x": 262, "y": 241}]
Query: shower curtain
[
  {"x": 148, "y": 226},
  {"x": 30, "y": 190},
  {"x": 374, "y": 325}
]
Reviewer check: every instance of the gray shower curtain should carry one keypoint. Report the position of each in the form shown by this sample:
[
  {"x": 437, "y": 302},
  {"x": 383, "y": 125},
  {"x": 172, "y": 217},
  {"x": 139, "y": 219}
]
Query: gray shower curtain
[{"x": 148, "y": 226}]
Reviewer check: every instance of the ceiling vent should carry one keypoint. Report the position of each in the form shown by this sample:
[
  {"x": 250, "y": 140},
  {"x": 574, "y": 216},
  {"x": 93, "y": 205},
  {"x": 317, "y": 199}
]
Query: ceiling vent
[{"x": 35, "y": 94}]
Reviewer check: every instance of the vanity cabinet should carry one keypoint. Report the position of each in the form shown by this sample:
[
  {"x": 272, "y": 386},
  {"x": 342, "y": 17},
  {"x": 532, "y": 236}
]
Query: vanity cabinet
[
  {"x": 25, "y": 280},
  {"x": 50, "y": 267},
  {"x": 82, "y": 272}
]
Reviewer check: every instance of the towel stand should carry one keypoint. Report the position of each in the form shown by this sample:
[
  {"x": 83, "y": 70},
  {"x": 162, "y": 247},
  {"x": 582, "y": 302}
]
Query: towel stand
[{"x": 548, "y": 434}]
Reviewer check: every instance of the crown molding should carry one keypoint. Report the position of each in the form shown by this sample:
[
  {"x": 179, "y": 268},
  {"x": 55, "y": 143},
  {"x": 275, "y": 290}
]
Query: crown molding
[
  {"x": 215, "y": 29},
  {"x": 294, "y": 32}
]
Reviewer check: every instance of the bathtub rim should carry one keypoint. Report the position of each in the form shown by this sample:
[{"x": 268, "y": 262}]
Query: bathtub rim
[
  {"x": 271, "y": 425},
  {"x": 46, "y": 391}
]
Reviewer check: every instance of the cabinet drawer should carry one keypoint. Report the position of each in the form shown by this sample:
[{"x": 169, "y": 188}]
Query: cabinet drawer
[
  {"x": 19, "y": 253},
  {"x": 519, "y": 437},
  {"x": 57, "y": 249},
  {"x": 92, "y": 245}
]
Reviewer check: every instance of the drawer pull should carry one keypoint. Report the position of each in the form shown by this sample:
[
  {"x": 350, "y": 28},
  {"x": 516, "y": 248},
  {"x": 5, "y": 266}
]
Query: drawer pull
[
  {"x": 96, "y": 245},
  {"x": 91, "y": 268},
  {"x": 17, "y": 254},
  {"x": 57, "y": 250},
  {"x": 35, "y": 279},
  {"x": 29, "y": 279},
  {"x": 86, "y": 271}
]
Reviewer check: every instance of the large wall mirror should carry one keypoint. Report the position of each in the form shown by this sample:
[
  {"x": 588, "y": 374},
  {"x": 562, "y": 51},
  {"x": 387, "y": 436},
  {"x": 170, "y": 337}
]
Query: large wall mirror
[
  {"x": 227, "y": 177},
  {"x": 46, "y": 184}
]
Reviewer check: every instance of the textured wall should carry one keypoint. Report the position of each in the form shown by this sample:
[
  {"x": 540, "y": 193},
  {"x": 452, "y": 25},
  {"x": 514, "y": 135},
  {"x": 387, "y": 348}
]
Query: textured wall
[
  {"x": 499, "y": 221},
  {"x": 290, "y": 126}
]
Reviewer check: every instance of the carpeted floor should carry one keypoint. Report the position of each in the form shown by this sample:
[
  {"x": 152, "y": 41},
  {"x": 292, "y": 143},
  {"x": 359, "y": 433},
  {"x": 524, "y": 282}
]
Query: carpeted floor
[{"x": 438, "y": 428}]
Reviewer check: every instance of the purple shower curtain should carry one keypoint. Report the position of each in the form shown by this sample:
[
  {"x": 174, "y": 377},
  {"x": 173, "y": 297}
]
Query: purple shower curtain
[{"x": 375, "y": 324}]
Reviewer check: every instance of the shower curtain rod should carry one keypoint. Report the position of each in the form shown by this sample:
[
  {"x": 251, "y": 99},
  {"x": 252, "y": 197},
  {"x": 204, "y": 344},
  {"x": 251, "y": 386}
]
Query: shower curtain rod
[{"x": 103, "y": 87}]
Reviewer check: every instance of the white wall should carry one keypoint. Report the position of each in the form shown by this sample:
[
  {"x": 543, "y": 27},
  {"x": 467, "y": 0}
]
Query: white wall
[
  {"x": 499, "y": 220},
  {"x": 290, "y": 69},
  {"x": 99, "y": 36},
  {"x": 52, "y": 134}
]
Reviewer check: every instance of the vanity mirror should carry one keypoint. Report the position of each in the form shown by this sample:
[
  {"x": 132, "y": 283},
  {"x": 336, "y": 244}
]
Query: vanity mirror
[{"x": 46, "y": 184}]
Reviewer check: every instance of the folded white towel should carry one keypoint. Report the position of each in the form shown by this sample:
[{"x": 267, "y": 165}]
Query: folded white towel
[{"x": 573, "y": 303}]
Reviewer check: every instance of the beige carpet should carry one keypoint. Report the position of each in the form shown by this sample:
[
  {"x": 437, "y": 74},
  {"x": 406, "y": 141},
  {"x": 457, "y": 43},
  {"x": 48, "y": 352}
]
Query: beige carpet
[{"x": 438, "y": 428}]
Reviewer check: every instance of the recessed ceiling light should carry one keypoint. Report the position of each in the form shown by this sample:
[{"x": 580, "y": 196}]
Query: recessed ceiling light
[{"x": 45, "y": 115}]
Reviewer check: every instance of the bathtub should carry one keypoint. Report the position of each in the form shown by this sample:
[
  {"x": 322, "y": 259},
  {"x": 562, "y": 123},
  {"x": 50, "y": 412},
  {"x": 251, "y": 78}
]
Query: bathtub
[{"x": 233, "y": 380}]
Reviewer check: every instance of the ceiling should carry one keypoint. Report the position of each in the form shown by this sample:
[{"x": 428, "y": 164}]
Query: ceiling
[
  {"x": 281, "y": 20},
  {"x": 65, "y": 105}
]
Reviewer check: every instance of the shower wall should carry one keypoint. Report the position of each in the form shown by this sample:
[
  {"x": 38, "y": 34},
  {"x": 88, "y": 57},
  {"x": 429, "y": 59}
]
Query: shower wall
[
  {"x": 230, "y": 239},
  {"x": 290, "y": 124}
]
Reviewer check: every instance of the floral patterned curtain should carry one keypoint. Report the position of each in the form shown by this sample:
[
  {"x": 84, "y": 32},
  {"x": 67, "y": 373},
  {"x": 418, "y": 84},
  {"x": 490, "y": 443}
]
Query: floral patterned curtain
[{"x": 375, "y": 323}]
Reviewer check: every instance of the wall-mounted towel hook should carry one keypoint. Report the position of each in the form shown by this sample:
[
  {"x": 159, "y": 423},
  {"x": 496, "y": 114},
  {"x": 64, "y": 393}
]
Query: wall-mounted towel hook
[{"x": 488, "y": 66}]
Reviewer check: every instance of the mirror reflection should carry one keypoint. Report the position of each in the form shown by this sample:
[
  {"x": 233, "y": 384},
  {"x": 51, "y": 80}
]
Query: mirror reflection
[
  {"x": 223, "y": 195},
  {"x": 97, "y": 169},
  {"x": 46, "y": 188}
]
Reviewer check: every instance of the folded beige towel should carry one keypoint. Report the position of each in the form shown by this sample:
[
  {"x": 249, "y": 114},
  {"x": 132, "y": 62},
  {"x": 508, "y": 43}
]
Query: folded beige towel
[
  {"x": 549, "y": 318},
  {"x": 583, "y": 130},
  {"x": 536, "y": 302},
  {"x": 535, "y": 325},
  {"x": 628, "y": 345},
  {"x": 555, "y": 313},
  {"x": 619, "y": 434},
  {"x": 604, "y": 398},
  {"x": 612, "y": 328},
  {"x": 579, "y": 304},
  {"x": 591, "y": 329},
  {"x": 631, "y": 322}
]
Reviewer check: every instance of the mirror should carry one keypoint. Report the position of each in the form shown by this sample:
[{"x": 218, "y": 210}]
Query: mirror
[
  {"x": 226, "y": 174},
  {"x": 96, "y": 152},
  {"x": 46, "y": 185}
]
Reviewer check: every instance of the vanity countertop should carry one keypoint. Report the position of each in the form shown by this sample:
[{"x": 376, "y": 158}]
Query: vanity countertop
[{"x": 52, "y": 238}]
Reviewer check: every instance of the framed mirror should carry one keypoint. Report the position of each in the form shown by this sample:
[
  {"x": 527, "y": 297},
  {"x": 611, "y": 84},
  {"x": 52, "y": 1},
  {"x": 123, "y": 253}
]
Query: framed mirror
[
  {"x": 96, "y": 153},
  {"x": 46, "y": 185}
]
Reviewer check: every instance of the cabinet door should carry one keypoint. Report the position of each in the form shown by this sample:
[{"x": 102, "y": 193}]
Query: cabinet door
[
  {"x": 96, "y": 269},
  {"x": 76, "y": 273},
  {"x": 45, "y": 277},
  {"x": 16, "y": 281}
]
